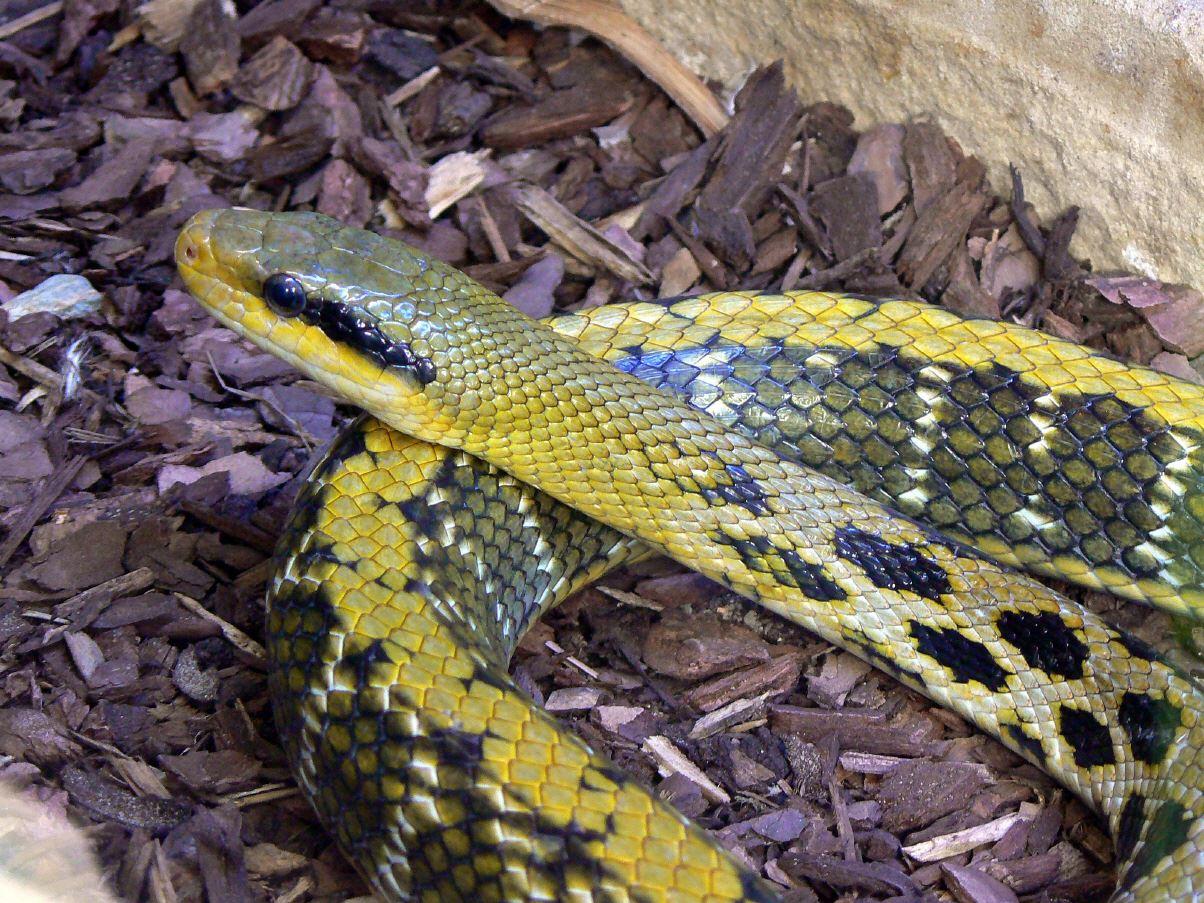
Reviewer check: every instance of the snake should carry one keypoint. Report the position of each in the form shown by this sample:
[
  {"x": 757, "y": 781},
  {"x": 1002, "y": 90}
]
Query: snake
[{"x": 868, "y": 469}]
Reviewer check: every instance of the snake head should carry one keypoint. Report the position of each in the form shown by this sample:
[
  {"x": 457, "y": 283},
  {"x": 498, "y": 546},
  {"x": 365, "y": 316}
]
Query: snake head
[{"x": 401, "y": 335}]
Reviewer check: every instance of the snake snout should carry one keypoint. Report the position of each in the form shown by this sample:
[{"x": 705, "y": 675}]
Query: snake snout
[{"x": 192, "y": 243}]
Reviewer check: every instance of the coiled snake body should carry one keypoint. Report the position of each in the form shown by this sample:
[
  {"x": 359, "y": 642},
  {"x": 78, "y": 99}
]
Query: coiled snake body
[{"x": 511, "y": 462}]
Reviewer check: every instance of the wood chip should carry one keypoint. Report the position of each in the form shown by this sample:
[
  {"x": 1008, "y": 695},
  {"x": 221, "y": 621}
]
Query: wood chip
[
  {"x": 969, "y": 885},
  {"x": 454, "y": 178},
  {"x": 867, "y": 732},
  {"x": 561, "y": 114},
  {"x": 236, "y": 637},
  {"x": 276, "y": 78},
  {"x": 959, "y": 842},
  {"x": 670, "y": 760},
  {"x": 778, "y": 675},
  {"x": 608, "y": 22},
  {"x": 942, "y": 225},
  {"x": 210, "y": 45},
  {"x": 736, "y": 712},
  {"x": 576, "y": 236},
  {"x": 692, "y": 647},
  {"x": 574, "y": 699}
]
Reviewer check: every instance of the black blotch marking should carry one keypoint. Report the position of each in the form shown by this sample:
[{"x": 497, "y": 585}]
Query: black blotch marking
[
  {"x": 1128, "y": 828},
  {"x": 1015, "y": 733},
  {"x": 419, "y": 511},
  {"x": 612, "y": 772},
  {"x": 1150, "y": 723},
  {"x": 300, "y": 597},
  {"x": 415, "y": 587},
  {"x": 1167, "y": 832},
  {"x": 895, "y": 566},
  {"x": 459, "y": 748},
  {"x": 671, "y": 300},
  {"x": 352, "y": 442},
  {"x": 1137, "y": 647},
  {"x": 741, "y": 489},
  {"x": 810, "y": 579},
  {"x": 321, "y": 551},
  {"x": 361, "y": 662},
  {"x": 446, "y": 476},
  {"x": 1045, "y": 641},
  {"x": 968, "y": 659},
  {"x": 1088, "y": 738}
]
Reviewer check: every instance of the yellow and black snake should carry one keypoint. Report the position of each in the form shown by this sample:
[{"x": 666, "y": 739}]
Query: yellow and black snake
[{"x": 512, "y": 461}]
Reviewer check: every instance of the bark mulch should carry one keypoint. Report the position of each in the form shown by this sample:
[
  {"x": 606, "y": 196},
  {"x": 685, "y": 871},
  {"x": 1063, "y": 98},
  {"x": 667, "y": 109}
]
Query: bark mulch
[{"x": 148, "y": 458}]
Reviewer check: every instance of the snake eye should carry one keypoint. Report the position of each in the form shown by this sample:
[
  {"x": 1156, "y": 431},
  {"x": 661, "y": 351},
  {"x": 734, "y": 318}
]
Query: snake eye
[{"x": 284, "y": 294}]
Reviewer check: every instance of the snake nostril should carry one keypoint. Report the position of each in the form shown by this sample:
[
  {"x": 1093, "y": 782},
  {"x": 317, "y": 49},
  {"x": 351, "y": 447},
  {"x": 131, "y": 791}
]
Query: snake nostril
[{"x": 190, "y": 251}]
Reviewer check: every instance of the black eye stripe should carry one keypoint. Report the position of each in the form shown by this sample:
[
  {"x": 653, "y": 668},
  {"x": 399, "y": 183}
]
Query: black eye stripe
[{"x": 286, "y": 296}]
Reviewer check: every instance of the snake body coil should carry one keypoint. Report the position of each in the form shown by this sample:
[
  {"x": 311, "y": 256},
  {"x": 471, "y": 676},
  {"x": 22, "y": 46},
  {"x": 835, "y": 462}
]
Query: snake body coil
[{"x": 541, "y": 458}]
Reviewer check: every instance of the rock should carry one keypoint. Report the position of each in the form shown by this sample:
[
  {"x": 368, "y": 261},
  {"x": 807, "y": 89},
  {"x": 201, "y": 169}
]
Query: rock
[
  {"x": 1024, "y": 69},
  {"x": 65, "y": 295}
]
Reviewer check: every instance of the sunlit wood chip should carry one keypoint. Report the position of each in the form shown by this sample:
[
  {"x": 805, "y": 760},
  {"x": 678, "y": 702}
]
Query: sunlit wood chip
[
  {"x": 670, "y": 760},
  {"x": 454, "y": 178},
  {"x": 959, "y": 842}
]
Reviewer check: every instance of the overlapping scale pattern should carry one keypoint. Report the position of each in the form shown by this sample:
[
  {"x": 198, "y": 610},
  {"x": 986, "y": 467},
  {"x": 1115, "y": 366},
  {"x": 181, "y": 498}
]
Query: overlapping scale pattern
[
  {"x": 1063, "y": 462},
  {"x": 413, "y": 573},
  {"x": 442, "y": 781}
]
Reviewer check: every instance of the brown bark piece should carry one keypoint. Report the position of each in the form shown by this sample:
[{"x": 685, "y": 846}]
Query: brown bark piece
[
  {"x": 969, "y": 885},
  {"x": 345, "y": 194},
  {"x": 276, "y": 78},
  {"x": 91, "y": 555},
  {"x": 24, "y": 172},
  {"x": 941, "y": 225},
  {"x": 848, "y": 208},
  {"x": 930, "y": 163},
  {"x": 1027, "y": 874},
  {"x": 210, "y": 46},
  {"x": 778, "y": 675},
  {"x": 875, "y": 877},
  {"x": 868, "y": 732},
  {"x": 561, "y": 114},
  {"x": 749, "y": 164},
  {"x": 964, "y": 294},
  {"x": 879, "y": 155},
  {"x": 275, "y": 18},
  {"x": 114, "y": 180},
  {"x": 839, "y": 674},
  {"x": 1175, "y": 312},
  {"x": 917, "y": 793},
  {"x": 700, "y": 647},
  {"x": 335, "y": 36}
]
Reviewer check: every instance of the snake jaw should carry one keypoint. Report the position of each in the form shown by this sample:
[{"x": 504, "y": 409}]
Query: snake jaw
[{"x": 376, "y": 348}]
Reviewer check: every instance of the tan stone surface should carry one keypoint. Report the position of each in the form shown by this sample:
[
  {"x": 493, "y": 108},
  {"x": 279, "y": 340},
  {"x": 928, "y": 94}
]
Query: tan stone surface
[{"x": 1100, "y": 102}]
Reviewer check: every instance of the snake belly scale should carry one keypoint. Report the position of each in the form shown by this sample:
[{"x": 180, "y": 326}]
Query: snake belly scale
[{"x": 508, "y": 462}]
